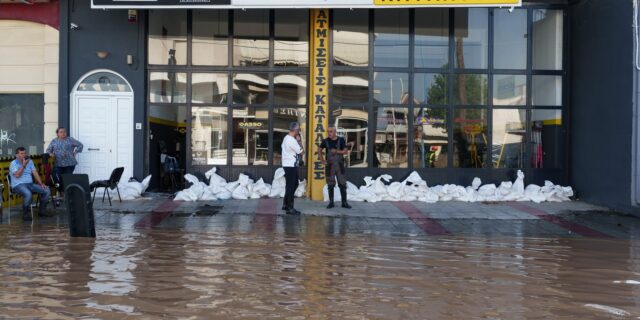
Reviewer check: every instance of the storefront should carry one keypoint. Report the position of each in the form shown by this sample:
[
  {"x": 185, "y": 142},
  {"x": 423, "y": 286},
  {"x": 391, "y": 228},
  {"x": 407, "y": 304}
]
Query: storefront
[{"x": 453, "y": 93}]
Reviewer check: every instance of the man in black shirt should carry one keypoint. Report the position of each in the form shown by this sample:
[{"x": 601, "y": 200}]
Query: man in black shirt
[{"x": 335, "y": 148}]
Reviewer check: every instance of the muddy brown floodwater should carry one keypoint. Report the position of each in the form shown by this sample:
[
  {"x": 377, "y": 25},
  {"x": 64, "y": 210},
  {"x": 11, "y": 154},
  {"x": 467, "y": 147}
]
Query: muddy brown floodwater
[{"x": 165, "y": 273}]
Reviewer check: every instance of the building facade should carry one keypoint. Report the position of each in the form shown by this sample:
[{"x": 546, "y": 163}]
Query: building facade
[{"x": 452, "y": 93}]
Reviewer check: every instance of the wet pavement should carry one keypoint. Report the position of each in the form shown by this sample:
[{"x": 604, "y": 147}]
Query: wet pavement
[{"x": 156, "y": 258}]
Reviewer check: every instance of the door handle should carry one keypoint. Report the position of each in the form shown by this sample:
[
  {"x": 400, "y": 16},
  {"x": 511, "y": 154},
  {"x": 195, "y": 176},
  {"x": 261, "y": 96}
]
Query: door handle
[{"x": 94, "y": 149}]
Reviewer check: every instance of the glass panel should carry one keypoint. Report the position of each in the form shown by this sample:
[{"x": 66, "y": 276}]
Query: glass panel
[
  {"x": 250, "y": 136},
  {"x": 351, "y": 38},
  {"x": 391, "y": 140},
  {"x": 21, "y": 123},
  {"x": 547, "y": 90},
  {"x": 391, "y": 88},
  {"x": 470, "y": 89},
  {"x": 510, "y": 90},
  {"x": 210, "y": 37},
  {"x": 167, "y": 37},
  {"x": 472, "y": 38},
  {"x": 209, "y": 135},
  {"x": 430, "y": 138},
  {"x": 104, "y": 81},
  {"x": 350, "y": 87},
  {"x": 547, "y": 39},
  {"x": 282, "y": 117},
  {"x": 432, "y": 38},
  {"x": 251, "y": 38},
  {"x": 290, "y": 89},
  {"x": 291, "y": 38},
  {"x": 469, "y": 138},
  {"x": 250, "y": 88},
  {"x": 209, "y": 88},
  {"x": 352, "y": 123},
  {"x": 510, "y": 39},
  {"x": 509, "y": 130},
  {"x": 547, "y": 139},
  {"x": 167, "y": 141},
  {"x": 391, "y": 38},
  {"x": 168, "y": 87},
  {"x": 430, "y": 88}
]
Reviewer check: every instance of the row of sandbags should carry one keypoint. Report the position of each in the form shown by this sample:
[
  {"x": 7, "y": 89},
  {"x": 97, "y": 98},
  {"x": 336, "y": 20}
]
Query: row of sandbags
[
  {"x": 242, "y": 189},
  {"x": 414, "y": 188}
]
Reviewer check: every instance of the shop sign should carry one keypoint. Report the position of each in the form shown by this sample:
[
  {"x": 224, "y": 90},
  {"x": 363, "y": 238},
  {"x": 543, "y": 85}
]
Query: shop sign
[
  {"x": 319, "y": 99},
  {"x": 244, "y": 4},
  {"x": 251, "y": 125}
]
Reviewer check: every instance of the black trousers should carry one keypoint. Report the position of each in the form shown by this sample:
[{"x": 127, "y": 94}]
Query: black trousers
[{"x": 291, "y": 176}]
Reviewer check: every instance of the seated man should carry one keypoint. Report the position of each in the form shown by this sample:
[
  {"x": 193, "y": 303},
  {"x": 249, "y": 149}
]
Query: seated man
[{"x": 23, "y": 172}]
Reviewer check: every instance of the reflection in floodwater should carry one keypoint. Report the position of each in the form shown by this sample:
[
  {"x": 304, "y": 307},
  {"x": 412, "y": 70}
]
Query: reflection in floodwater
[{"x": 250, "y": 267}]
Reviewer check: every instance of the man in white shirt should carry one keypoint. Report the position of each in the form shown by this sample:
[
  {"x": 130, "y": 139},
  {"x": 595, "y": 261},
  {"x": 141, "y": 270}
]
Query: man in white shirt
[{"x": 291, "y": 154}]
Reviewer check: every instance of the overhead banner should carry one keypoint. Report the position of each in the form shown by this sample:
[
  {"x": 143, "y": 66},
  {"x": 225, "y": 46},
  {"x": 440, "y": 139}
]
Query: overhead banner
[
  {"x": 247, "y": 4},
  {"x": 319, "y": 98}
]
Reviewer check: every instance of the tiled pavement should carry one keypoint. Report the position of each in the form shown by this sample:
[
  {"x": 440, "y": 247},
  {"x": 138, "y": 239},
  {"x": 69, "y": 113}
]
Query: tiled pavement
[{"x": 263, "y": 216}]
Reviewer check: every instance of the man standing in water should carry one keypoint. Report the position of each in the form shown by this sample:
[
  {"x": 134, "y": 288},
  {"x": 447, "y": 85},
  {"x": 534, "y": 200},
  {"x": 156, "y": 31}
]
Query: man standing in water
[
  {"x": 291, "y": 152},
  {"x": 336, "y": 148},
  {"x": 64, "y": 149}
]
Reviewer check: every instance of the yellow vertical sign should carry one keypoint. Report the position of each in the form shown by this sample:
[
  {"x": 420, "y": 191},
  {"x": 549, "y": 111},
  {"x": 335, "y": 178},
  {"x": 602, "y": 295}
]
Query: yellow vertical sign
[{"x": 319, "y": 98}]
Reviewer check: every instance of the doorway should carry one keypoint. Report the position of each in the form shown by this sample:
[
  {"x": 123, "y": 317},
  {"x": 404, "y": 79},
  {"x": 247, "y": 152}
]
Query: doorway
[{"x": 102, "y": 119}]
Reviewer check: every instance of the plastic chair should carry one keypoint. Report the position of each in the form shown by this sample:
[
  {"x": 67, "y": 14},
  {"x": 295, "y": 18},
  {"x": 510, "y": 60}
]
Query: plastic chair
[{"x": 112, "y": 183}]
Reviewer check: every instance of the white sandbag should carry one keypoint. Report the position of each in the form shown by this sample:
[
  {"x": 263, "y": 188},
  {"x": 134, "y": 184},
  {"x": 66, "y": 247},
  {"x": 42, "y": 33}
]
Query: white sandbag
[
  {"x": 230, "y": 186},
  {"x": 476, "y": 183},
  {"x": 415, "y": 179},
  {"x": 488, "y": 190},
  {"x": 301, "y": 190},
  {"x": 215, "y": 179},
  {"x": 193, "y": 180},
  {"x": 518, "y": 186},
  {"x": 240, "y": 193},
  {"x": 244, "y": 180},
  {"x": 396, "y": 190},
  {"x": 365, "y": 194},
  {"x": 504, "y": 190},
  {"x": 223, "y": 195},
  {"x": 532, "y": 193},
  {"x": 207, "y": 195},
  {"x": 429, "y": 197},
  {"x": 261, "y": 189}
]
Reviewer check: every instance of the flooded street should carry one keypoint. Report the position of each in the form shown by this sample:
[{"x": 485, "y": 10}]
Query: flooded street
[{"x": 308, "y": 267}]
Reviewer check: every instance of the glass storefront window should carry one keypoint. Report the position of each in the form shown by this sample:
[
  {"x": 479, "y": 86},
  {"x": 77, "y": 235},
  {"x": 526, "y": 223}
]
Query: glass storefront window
[
  {"x": 282, "y": 117},
  {"x": 469, "y": 138},
  {"x": 209, "y": 135},
  {"x": 546, "y": 90},
  {"x": 547, "y": 139},
  {"x": 352, "y": 123},
  {"x": 167, "y": 40},
  {"x": 471, "y": 38},
  {"x": 431, "y": 38},
  {"x": 167, "y": 87},
  {"x": 291, "y": 38},
  {"x": 21, "y": 123},
  {"x": 391, "y": 88},
  {"x": 510, "y": 39},
  {"x": 251, "y": 38},
  {"x": 250, "y": 88},
  {"x": 351, "y": 38},
  {"x": 509, "y": 90},
  {"x": 289, "y": 89},
  {"x": 104, "y": 81},
  {"x": 430, "y": 138},
  {"x": 210, "y": 32},
  {"x": 167, "y": 138},
  {"x": 470, "y": 89},
  {"x": 209, "y": 88},
  {"x": 547, "y": 39},
  {"x": 391, "y": 138},
  {"x": 391, "y": 38},
  {"x": 431, "y": 88},
  {"x": 250, "y": 136},
  {"x": 350, "y": 87},
  {"x": 509, "y": 131}
]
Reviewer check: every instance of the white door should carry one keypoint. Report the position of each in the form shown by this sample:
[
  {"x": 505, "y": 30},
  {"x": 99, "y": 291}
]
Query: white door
[{"x": 102, "y": 119}]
